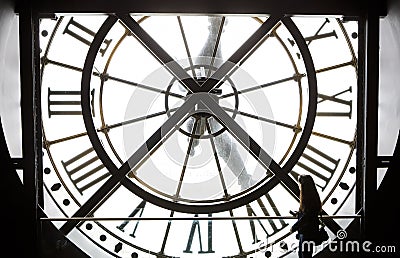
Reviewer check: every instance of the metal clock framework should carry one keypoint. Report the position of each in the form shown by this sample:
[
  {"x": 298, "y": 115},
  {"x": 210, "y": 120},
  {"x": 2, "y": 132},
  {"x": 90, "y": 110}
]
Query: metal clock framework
[{"x": 179, "y": 133}]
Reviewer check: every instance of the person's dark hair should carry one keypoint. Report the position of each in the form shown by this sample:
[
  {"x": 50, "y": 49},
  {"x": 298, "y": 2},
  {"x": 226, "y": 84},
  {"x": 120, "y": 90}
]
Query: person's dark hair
[{"x": 309, "y": 197}]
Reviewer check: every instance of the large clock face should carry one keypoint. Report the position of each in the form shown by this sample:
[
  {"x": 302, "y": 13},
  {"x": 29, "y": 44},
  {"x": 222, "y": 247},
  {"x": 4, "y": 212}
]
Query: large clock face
[{"x": 152, "y": 121}]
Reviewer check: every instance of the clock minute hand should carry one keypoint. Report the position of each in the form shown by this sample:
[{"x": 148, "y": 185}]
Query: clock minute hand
[
  {"x": 243, "y": 52},
  {"x": 281, "y": 175},
  {"x": 156, "y": 139},
  {"x": 159, "y": 53},
  {"x": 248, "y": 143}
]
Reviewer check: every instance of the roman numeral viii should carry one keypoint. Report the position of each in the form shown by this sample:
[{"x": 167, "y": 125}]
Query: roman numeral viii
[{"x": 85, "y": 170}]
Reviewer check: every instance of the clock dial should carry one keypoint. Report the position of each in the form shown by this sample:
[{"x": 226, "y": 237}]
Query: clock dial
[
  {"x": 170, "y": 117},
  {"x": 199, "y": 111}
]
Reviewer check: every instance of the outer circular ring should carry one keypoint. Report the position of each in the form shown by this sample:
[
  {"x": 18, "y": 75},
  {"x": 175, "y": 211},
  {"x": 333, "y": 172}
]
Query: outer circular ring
[{"x": 197, "y": 208}]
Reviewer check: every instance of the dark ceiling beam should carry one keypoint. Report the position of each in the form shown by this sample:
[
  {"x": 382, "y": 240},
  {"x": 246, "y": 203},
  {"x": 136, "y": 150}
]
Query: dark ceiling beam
[
  {"x": 327, "y": 7},
  {"x": 31, "y": 161}
]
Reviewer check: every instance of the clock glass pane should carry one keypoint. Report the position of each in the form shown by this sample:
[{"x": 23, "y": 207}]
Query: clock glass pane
[{"x": 180, "y": 133}]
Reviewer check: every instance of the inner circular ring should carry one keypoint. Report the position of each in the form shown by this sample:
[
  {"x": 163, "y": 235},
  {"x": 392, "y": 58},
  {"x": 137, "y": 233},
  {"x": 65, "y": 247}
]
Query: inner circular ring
[{"x": 212, "y": 134}]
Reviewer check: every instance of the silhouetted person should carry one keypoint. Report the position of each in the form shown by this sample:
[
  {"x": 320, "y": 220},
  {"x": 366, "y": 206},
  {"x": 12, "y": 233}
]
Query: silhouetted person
[{"x": 307, "y": 223}]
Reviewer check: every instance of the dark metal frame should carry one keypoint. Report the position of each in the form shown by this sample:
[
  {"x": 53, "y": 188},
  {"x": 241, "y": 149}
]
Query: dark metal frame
[
  {"x": 327, "y": 7},
  {"x": 31, "y": 125},
  {"x": 369, "y": 149},
  {"x": 368, "y": 14}
]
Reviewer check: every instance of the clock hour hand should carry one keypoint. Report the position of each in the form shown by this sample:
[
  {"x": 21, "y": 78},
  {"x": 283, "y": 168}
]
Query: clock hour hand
[{"x": 159, "y": 53}]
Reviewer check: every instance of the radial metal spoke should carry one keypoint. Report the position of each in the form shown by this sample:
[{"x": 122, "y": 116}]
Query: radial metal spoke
[
  {"x": 135, "y": 120},
  {"x": 142, "y": 86},
  {"x": 214, "y": 54},
  {"x": 238, "y": 65},
  {"x": 159, "y": 53},
  {"x": 190, "y": 146},
  {"x": 109, "y": 77},
  {"x": 214, "y": 149},
  {"x": 243, "y": 52},
  {"x": 64, "y": 139},
  {"x": 271, "y": 121},
  {"x": 258, "y": 87},
  {"x": 186, "y": 46}
]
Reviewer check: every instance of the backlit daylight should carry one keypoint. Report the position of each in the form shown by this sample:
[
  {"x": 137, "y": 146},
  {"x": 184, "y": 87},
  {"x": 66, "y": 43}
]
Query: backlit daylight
[
  {"x": 198, "y": 130},
  {"x": 188, "y": 150}
]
